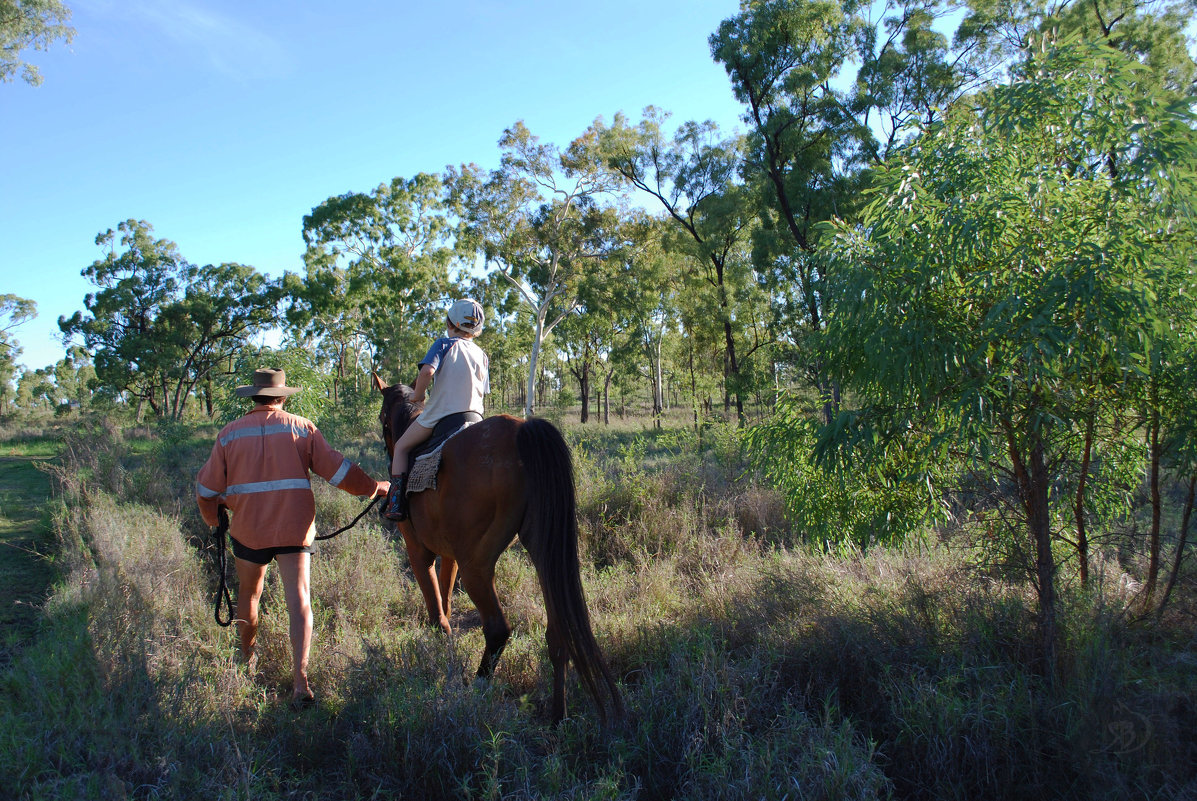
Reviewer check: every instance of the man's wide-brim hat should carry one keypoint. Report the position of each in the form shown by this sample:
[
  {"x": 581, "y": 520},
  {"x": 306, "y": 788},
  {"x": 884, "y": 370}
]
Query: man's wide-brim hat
[{"x": 269, "y": 382}]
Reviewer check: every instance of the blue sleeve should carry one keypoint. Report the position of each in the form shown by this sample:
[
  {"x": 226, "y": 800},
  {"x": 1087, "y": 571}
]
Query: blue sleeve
[{"x": 436, "y": 352}]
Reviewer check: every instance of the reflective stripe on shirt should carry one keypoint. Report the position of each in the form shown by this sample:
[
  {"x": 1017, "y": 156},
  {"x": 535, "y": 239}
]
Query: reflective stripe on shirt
[
  {"x": 263, "y": 431},
  {"x": 269, "y": 486},
  {"x": 204, "y": 492},
  {"x": 342, "y": 471}
]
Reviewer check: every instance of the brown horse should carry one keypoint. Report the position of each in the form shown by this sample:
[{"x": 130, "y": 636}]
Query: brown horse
[{"x": 497, "y": 478}]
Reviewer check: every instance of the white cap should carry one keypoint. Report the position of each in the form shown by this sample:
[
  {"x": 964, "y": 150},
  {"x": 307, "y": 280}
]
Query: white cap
[{"x": 466, "y": 314}]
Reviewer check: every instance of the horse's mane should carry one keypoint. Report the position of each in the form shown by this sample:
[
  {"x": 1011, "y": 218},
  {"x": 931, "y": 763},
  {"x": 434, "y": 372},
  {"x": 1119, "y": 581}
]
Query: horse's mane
[{"x": 398, "y": 410}]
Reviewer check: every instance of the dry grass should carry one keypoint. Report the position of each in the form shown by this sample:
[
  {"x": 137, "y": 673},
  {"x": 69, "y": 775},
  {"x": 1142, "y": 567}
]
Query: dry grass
[{"x": 751, "y": 667}]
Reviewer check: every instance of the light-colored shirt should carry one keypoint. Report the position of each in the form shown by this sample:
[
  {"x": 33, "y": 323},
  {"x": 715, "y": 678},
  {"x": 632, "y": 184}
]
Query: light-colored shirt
[
  {"x": 259, "y": 467},
  {"x": 462, "y": 377}
]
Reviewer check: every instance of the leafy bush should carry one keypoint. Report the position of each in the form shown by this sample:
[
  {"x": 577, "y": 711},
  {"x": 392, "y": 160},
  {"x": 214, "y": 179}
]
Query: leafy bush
[{"x": 836, "y": 505}]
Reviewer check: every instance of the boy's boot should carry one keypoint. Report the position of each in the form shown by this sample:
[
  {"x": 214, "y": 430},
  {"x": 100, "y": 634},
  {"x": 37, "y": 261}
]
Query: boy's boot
[{"x": 396, "y": 505}]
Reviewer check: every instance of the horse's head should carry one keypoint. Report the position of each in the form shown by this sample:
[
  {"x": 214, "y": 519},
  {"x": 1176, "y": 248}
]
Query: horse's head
[{"x": 398, "y": 410}]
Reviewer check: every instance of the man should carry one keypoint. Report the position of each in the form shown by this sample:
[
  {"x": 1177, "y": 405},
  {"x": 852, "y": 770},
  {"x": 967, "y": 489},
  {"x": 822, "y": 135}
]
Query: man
[{"x": 259, "y": 470}]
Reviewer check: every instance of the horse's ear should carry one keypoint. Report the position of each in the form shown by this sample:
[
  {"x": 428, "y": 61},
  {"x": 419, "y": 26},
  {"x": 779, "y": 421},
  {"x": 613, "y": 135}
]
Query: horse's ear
[{"x": 378, "y": 385}]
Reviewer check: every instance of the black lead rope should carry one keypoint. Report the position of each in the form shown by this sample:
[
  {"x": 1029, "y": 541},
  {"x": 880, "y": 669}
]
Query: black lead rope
[
  {"x": 343, "y": 529},
  {"x": 222, "y": 592}
]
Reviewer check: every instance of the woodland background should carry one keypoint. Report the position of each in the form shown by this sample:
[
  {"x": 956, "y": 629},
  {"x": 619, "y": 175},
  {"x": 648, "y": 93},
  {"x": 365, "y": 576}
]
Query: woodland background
[{"x": 882, "y": 415}]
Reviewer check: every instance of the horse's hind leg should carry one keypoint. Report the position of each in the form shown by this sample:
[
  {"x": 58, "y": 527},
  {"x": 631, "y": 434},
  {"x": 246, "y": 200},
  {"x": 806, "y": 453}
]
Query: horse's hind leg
[{"x": 480, "y": 586}]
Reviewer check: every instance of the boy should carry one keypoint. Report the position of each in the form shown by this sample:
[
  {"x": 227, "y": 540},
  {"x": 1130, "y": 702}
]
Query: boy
[{"x": 462, "y": 373}]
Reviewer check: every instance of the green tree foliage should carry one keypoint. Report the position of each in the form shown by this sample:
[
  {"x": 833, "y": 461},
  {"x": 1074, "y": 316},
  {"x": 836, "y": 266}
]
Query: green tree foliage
[
  {"x": 695, "y": 176},
  {"x": 615, "y": 299},
  {"x": 74, "y": 377},
  {"x": 26, "y": 25},
  {"x": 377, "y": 277},
  {"x": 646, "y": 294},
  {"x": 1004, "y": 273},
  {"x": 160, "y": 326},
  {"x": 881, "y": 501},
  {"x": 995, "y": 33},
  {"x": 829, "y": 90},
  {"x": 35, "y": 389},
  {"x": 14, "y": 311},
  {"x": 539, "y": 221},
  {"x": 303, "y": 368}
]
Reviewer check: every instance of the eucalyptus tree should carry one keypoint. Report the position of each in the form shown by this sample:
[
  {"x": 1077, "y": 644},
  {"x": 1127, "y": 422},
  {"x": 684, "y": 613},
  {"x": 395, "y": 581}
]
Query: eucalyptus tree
[
  {"x": 1002, "y": 272},
  {"x": 1166, "y": 397},
  {"x": 1153, "y": 32},
  {"x": 830, "y": 87},
  {"x": 623, "y": 314},
  {"x": 1180, "y": 445},
  {"x": 14, "y": 312},
  {"x": 36, "y": 390},
  {"x": 159, "y": 326},
  {"x": 26, "y": 25},
  {"x": 695, "y": 177},
  {"x": 377, "y": 275},
  {"x": 74, "y": 375},
  {"x": 540, "y": 222},
  {"x": 648, "y": 296},
  {"x": 582, "y": 340}
]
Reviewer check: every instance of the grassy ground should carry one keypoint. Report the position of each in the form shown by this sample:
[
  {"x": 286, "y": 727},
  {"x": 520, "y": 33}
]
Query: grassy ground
[
  {"x": 751, "y": 668},
  {"x": 25, "y": 570}
]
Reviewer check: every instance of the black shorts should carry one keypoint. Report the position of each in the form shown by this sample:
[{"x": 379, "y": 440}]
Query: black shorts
[{"x": 263, "y": 556}]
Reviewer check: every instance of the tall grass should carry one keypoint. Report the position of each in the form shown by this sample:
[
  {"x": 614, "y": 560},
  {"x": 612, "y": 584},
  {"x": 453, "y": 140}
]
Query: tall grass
[{"x": 752, "y": 668}]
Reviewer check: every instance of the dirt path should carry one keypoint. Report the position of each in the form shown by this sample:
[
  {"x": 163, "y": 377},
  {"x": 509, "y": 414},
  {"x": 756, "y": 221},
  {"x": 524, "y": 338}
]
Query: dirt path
[{"x": 25, "y": 574}]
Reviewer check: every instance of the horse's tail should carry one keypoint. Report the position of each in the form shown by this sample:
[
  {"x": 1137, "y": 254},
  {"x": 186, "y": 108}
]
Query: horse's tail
[{"x": 550, "y": 533}]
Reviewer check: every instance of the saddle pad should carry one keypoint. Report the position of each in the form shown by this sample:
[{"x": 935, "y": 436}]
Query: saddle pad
[{"x": 422, "y": 475}]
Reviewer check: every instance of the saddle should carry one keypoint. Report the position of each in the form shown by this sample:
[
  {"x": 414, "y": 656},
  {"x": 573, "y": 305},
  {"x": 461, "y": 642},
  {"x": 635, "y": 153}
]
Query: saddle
[{"x": 426, "y": 459}]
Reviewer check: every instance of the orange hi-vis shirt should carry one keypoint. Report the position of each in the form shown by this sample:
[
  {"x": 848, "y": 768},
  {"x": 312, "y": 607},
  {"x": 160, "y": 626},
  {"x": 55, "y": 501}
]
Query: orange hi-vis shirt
[{"x": 259, "y": 470}]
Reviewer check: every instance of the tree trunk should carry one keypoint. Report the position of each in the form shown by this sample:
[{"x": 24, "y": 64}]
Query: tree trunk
[
  {"x": 694, "y": 402},
  {"x": 1153, "y": 560},
  {"x": 1045, "y": 567},
  {"x": 537, "y": 339},
  {"x": 658, "y": 389},
  {"x": 733, "y": 367},
  {"x": 607, "y": 396},
  {"x": 584, "y": 385},
  {"x": 1078, "y": 507},
  {"x": 1033, "y": 483},
  {"x": 1181, "y": 542}
]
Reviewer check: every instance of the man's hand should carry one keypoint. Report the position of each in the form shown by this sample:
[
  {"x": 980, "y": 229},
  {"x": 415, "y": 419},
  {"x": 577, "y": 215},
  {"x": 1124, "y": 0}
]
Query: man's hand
[{"x": 382, "y": 489}]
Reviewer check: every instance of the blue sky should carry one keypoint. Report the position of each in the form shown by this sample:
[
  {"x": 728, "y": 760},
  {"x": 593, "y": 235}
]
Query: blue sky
[{"x": 223, "y": 123}]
